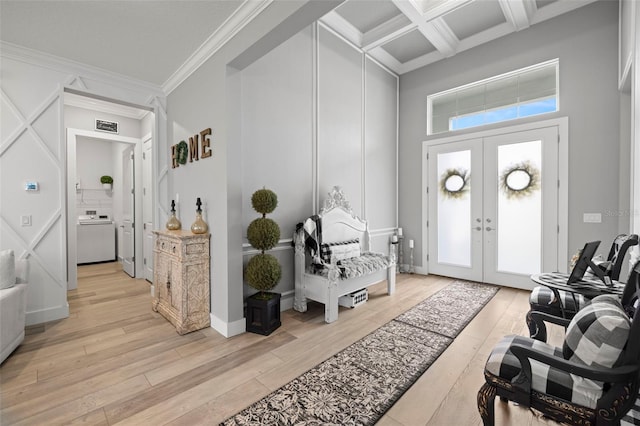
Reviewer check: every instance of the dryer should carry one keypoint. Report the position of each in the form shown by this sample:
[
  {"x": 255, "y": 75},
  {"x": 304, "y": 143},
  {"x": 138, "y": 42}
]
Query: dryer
[{"x": 96, "y": 238}]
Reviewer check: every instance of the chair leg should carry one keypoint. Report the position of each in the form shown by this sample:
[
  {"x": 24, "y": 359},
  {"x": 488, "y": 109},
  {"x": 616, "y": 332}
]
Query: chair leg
[
  {"x": 486, "y": 404},
  {"x": 537, "y": 329}
]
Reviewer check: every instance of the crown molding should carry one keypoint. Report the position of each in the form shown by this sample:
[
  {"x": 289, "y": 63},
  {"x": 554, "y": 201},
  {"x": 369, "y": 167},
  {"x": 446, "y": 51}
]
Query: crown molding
[
  {"x": 56, "y": 63},
  {"x": 240, "y": 18}
]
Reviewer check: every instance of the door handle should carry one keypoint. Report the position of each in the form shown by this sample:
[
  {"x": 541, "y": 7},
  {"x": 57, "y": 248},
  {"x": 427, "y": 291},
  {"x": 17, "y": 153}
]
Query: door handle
[
  {"x": 478, "y": 228},
  {"x": 488, "y": 228}
]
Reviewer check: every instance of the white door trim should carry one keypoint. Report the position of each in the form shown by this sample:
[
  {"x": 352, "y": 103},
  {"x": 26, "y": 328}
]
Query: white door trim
[{"x": 563, "y": 178}]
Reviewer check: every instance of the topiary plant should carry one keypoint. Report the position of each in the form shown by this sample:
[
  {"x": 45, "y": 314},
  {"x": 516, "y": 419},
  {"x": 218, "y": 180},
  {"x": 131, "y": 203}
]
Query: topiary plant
[{"x": 263, "y": 271}]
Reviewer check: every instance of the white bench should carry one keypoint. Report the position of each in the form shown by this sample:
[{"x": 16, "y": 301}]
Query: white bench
[{"x": 338, "y": 225}]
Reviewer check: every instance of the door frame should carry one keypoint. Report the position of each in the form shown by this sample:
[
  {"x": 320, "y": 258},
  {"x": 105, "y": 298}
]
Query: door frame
[
  {"x": 128, "y": 156},
  {"x": 72, "y": 249},
  {"x": 562, "y": 123}
]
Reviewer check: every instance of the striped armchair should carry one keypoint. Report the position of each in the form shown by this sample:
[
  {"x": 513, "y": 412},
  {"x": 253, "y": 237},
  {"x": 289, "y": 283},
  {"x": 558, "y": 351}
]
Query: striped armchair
[
  {"x": 593, "y": 379},
  {"x": 543, "y": 299}
]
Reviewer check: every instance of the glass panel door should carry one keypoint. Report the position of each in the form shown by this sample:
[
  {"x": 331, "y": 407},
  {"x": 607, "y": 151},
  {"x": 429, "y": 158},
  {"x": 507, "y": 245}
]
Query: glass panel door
[
  {"x": 493, "y": 207},
  {"x": 455, "y": 202},
  {"x": 520, "y": 211}
]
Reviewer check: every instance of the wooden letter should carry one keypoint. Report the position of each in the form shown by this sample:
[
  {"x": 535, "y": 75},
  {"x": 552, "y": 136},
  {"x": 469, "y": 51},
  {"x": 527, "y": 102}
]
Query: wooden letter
[
  {"x": 193, "y": 148},
  {"x": 174, "y": 157},
  {"x": 206, "y": 152}
]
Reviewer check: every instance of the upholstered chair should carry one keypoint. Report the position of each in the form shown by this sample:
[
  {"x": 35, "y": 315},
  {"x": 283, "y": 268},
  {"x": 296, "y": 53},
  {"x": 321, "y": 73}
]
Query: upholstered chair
[
  {"x": 592, "y": 379},
  {"x": 543, "y": 299}
]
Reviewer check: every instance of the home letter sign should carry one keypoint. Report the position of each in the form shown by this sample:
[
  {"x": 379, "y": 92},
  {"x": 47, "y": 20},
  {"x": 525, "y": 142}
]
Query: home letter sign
[{"x": 199, "y": 147}]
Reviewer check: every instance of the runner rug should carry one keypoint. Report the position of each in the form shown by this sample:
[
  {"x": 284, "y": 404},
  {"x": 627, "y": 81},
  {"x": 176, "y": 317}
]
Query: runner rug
[{"x": 359, "y": 384}]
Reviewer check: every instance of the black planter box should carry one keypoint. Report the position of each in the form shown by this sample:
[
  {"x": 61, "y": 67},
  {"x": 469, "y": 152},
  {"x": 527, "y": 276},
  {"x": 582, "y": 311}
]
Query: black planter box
[{"x": 263, "y": 316}]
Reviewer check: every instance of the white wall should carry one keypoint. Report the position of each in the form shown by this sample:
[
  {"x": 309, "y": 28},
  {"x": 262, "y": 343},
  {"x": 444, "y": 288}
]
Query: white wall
[
  {"x": 94, "y": 158},
  {"x": 32, "y": 147},
  {"x": 340, "y": 91},
  {"x": 277, "y": 143},
  {"x": 210, "y": 98},
  {"x": 351, "y": 143},
  {"x": 586, "y": 42}
]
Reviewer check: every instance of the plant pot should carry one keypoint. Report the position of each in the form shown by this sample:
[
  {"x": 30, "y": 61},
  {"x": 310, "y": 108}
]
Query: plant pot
[
  {"x": 106, "y": 186},
  {"x": 263, "y": 316}
]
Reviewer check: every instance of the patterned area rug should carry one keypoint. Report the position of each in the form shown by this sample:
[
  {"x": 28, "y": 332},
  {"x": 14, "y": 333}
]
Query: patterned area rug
[{"x": 359, "y": 384}]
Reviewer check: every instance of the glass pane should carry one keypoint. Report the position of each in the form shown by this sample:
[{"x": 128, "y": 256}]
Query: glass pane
[
  {"x": 538, "y": 106},
  {"x": 502, "y": 92},
  {"x": 520, "y": 207},
  {"x": 498, "y": 99},
  {"x": 537, "y": 83},
  {"x": 454, "y": 208}
]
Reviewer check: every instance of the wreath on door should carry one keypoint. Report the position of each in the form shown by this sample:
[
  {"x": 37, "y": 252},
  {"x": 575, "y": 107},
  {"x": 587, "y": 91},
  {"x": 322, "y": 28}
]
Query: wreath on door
[
  {"x": 454, "y": 183},
  {"x": 520, "y": 180}
]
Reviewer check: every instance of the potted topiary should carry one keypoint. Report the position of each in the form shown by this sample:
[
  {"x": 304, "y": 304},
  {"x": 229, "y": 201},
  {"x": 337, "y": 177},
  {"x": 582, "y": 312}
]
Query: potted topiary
[
  {"x": 106, "y": 181},
  {"x": 263, "y": 270}
]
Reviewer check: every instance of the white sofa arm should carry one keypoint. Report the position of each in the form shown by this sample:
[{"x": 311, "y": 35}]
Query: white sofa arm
[{"x": 13, "y": 304}]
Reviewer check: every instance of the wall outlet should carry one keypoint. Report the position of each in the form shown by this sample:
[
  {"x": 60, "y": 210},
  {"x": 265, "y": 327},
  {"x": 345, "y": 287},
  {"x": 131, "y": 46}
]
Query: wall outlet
[
  {"x": 25, "y": 220},
  {"x": 592, "y": 218}
]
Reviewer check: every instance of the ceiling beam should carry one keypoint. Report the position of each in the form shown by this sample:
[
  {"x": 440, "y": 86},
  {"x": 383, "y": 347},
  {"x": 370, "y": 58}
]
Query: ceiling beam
[
  {"x": 440, "y": 35},
  {"x": 343, "y": 27},
  {"x": 443, "y": 8},
  {"x": 435, "y": 30},
  {"x": 518, "y": 12},
  {"x": 387, "y": 31}
]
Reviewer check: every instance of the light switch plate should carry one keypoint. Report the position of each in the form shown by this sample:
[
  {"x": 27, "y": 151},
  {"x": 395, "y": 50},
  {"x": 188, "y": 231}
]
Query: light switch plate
[
  {"x": 25, "y": 220},
  {"x": 592, "y": 217}
]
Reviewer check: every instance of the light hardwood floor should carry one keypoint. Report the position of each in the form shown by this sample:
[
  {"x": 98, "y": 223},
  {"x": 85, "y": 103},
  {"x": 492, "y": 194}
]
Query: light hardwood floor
[{"x": 114, "y": 361}]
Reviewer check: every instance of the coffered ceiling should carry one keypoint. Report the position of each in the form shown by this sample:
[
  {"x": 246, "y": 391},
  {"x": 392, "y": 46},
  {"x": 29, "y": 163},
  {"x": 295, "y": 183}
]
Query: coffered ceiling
[{"x": 408, "y": 34}]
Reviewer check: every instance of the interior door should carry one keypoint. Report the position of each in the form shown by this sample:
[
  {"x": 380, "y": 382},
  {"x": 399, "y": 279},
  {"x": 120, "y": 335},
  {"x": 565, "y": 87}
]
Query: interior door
[
  {"x": 147, "y": 210},
  {"x": 128, "y": 212},
  {"x": 493, "y": 207}
]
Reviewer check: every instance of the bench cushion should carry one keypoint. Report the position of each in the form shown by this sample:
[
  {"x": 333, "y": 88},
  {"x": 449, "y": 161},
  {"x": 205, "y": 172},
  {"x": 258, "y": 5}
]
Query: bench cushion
[{"x": 366, "y": 263}]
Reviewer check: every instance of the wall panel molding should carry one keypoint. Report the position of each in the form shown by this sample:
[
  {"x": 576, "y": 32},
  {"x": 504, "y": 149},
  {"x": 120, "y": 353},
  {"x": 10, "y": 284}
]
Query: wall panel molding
[{"x": 31, "y": 93}]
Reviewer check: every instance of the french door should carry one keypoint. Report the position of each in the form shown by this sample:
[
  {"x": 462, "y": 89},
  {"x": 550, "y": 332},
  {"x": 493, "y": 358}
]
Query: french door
[{"x": 493, "y": 207}]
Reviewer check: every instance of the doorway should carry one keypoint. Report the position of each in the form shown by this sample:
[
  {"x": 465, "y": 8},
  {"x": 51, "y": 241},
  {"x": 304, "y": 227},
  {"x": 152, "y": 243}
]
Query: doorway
[
  {"x": 76, "y": 193},
  {"x": 493, "y": 205},
  {"x": 131, "y": 118}
]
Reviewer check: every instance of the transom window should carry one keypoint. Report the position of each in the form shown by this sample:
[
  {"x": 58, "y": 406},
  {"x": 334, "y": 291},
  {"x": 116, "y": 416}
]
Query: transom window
[{"x": 521, "y": 93}]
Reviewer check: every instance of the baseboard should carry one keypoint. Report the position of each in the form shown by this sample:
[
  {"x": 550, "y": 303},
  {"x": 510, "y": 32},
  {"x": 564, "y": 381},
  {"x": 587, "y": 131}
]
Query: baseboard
[
  {"x": 421, "y": 270},
  {"x": 228, "y": 329},
  {"x": 286, "y": 300},
  {"x": 46, "y": 315}
]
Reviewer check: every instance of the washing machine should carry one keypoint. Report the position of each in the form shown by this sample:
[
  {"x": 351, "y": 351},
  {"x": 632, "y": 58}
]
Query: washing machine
[{"x": 96, "y": 238}]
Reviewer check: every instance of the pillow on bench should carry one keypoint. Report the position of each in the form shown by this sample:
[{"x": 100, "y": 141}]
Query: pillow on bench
[{"x": 334, "y": 252}]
